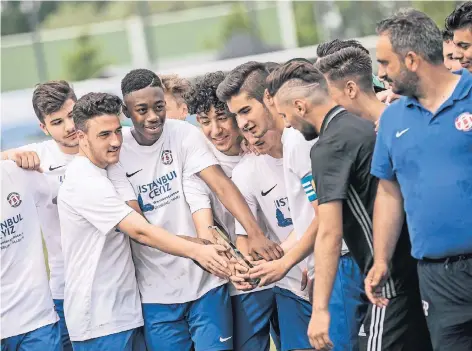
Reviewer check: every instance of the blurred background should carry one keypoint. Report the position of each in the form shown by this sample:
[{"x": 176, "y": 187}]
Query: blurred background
[{"x": 95, "y": 43}]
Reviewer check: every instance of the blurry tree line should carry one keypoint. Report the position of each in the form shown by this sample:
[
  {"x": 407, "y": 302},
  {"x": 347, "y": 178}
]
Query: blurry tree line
[{"x": 315, "y": 21}]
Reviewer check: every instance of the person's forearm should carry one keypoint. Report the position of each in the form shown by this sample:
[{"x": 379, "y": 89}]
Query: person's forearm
[
  {"x": 289, "y": 242},
  {"x": 388, "y": 221},
  {"x": 164, "y": 241},
  {"x": 327, "y": 252},
  {"x": 203, "y": 219},
  {"x": 233, "y": 200},
  {"x": 303, "y": 248}
]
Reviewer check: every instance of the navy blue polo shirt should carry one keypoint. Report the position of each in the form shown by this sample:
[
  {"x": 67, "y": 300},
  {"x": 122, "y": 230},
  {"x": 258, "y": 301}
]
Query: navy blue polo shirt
[{"x": 430, "y": 155}]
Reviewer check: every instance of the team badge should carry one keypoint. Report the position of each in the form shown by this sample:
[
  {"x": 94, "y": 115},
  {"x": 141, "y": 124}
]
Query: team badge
[
  {"x": 464, "y": 122},
  {"x": 14, "y": 199},
  {"x": 166, "y": 157}
]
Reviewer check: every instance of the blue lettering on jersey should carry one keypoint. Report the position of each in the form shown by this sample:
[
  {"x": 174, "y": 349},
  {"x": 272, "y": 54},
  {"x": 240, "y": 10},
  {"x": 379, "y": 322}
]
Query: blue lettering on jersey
[
  {"x": 281, "y": 220},
  {"x": 8, "y": 226},
  {"x": 159, "y": 193},
  {"x": 159, "y": 185},
  {"x": 144, "y": 207}
]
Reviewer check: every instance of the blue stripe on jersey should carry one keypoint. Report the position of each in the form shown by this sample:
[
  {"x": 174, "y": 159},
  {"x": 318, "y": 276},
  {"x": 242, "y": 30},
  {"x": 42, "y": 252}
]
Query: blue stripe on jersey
[{"x": 309, "y": 186}]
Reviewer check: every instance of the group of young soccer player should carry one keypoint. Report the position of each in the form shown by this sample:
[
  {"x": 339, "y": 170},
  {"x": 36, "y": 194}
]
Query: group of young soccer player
[{"x": 350, "y": 208}]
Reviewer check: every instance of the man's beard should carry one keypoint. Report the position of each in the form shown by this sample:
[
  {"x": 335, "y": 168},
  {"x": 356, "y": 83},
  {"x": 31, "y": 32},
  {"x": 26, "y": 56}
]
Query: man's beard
[
  {"x": 308, "y": 131},
  {"x": 406, "y": 84}
]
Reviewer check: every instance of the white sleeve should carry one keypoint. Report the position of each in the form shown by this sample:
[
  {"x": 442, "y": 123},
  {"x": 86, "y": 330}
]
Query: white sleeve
[
  {"x": 300, "y": 161},
  {"x": 99, "y": 203},
  {"x": 241, "y": 180},
  {"x": 36, "y": 147},
  {"x": 196, "y": 193},
  {"x": 40, "y": 187},
  {"x": 117, "y": 176},
  {"x": 196, "y": 153}
]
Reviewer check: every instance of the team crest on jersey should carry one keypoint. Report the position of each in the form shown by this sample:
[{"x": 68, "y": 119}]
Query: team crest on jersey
[
  {"x": 14, "y": 199},
  {"x": 464, "y": 122},
  {"x": 166, "y": 157}
]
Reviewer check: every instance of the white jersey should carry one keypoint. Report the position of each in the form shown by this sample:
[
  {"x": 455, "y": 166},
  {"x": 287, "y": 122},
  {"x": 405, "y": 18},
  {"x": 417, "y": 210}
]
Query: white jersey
[
  {"x": 156, "y": 173},
  {"x": 199, "y": 196},
  {"x": 261, "y": 181},
  {"x": 26, "y": 301},
  {"x": 297, "y": 166},
  {"x": 54, "y": 164},
  {"x": 101, "y": 294}
]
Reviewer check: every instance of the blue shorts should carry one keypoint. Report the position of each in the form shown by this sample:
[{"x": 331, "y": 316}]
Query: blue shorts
[
  {"x": 295, "y": 313},
  {"x": 129, "y": 340},
  {"x": 205, "y": 324},
  {"x": 348, "y": 305},
  {"x": 44, "y": 338},
  {"x": 66, "y": 344},
  {"x": 252, "y": 313}
]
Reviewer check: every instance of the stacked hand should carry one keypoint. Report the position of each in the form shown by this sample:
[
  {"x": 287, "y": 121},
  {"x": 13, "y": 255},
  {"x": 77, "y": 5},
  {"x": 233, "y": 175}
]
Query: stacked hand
[
  {"x": 261, "y": 247},
  {"x": 213, "y": 259}
]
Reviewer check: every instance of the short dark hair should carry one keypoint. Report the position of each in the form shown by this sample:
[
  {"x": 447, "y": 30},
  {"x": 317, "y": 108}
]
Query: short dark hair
[
  {"x": 49, "y": 97},
  {"x": 270, "y": 66},
  {"x": 93, "y": 105},
  {"x": 249, "y": 77},
  {"x": 460, "y": 18},
  {"x": 139, "y": 79},
  {"x": 447, "y": 35},
  {"x": 299, "y": 59},
  {"x": 333, "y": 46},
  {"x": 203, "y": 94},
  {"x": 412, "y": 30},
  {"x": 302, "y": 72},
  {"x": 348, "y": 63}
]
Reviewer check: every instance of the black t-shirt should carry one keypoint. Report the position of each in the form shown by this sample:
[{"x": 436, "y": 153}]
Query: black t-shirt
[{"x": 341, "y": 170}]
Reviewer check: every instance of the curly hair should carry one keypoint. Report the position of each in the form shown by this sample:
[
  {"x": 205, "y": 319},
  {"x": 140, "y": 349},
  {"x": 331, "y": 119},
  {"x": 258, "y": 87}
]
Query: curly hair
[
  {"x": 139, "y": 79},
  {"x": 202, "y": 96},
  {"x": 93, "y": 105},
  {"x": 49, "y": 97}
]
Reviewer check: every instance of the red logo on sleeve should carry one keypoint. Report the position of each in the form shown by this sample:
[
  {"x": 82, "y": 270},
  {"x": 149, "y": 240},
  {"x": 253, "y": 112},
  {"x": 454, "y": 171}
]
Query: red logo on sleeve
[{"x": 464, "y": 122}]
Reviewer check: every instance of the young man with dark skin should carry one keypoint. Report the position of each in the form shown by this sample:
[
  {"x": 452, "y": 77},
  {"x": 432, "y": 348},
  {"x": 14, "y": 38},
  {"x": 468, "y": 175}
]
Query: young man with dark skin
[
  {"x": 157, "y": 156},
  {"x": 52, "y": 103},
  {"x": 245, "y": 93},
  {"x": 102, "y": 302},
  {"x": 436, "y": 103},
  {"x": 346, "y": 193},
  {"x": 459, "y": 22}
]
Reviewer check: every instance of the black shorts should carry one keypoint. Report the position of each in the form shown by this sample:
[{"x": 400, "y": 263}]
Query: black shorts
[
  {"x": 446, "y": 290},
  {"x": 401, "y": 326}
]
